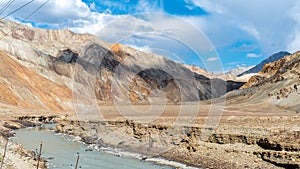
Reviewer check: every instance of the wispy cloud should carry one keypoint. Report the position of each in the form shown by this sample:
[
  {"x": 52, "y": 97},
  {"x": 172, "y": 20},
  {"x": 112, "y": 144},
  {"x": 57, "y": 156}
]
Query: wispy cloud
[
  {"x": 252, "y": 30},
  {"x": 262, "y": 25},
  {"x": 212, "y": 59},
  {"x": 253, "y": 55},
  {"x": 244, "y": 48},
  {"x": 210, "y": 6},
  {"x": 92, "y": 6},
  {"x": 295, "y": 38},
  {"x": 67, "y": 14},
  {"x": 149, "y": 6}
]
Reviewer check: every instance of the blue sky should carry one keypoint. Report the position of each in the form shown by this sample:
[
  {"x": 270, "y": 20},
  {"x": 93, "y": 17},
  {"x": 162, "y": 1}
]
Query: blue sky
[{"x": 234, "y": 33}]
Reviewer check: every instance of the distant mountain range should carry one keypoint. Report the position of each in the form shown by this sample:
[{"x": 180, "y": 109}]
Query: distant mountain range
[
  {"x": 230, "y": 75},
  {"x": 259, "y": 67},
  {"x": 239, "y": 70},
  {"x": 242, "y": 74}
]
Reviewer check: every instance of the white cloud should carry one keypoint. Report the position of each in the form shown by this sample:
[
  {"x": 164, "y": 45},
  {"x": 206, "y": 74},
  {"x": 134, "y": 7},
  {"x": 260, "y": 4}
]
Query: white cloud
[
  {"x": 93, "y": 24},
  {"x": 148, "y": 6},
  {"x": 209, "y": 6},
  {"x": 294, "y": 44},
  {"x": 158, "y": 30},
  {"x": 245, "y": 48},
  {"x": 145, "y": 49},
  {"x": 253, "y": 55},
  {"x": 54, "y": 12},
  {"x": 252, "y": 30},
  {"x": 67, "y": 14},
  {"x": 93, "y": 6},
  {"x": 268, "y": 23},
  {"x": 212, "y": 59},
  {"x": 166, "y": 35}
]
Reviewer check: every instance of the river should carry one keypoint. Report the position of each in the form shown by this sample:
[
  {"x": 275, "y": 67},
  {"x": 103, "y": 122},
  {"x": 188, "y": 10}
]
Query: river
[{"x": 61, "y": 152}]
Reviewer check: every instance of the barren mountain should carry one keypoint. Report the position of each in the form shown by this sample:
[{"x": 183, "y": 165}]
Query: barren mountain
[
  {"x": 51, "y": 67},
  {"x": 270, "y": 59},
  {"x": 277, "y": 83}
]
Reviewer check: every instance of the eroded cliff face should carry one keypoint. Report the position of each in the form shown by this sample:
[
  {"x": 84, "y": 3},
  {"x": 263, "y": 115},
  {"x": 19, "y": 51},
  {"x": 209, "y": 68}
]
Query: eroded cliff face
[
  {"x": 248, "y": 145},
  {"x": 68, "y": 65}
]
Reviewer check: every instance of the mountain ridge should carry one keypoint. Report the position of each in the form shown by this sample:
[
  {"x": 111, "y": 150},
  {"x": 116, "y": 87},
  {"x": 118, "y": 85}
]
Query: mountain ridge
[
  {"x": 228, "y": 76},
  {"x": 259, "y": 66}
]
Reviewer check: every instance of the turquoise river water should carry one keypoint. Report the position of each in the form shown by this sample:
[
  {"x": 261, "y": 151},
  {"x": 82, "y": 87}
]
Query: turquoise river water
[{"x": 61, "y": 152}]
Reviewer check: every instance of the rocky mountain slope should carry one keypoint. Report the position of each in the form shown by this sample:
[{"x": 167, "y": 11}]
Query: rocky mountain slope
[
  {"x": 277, "y": 83},
  {"x": 259, "y": 67},
  {"x": 50, "y": 68},
  {"x": 21, "y": 87}
]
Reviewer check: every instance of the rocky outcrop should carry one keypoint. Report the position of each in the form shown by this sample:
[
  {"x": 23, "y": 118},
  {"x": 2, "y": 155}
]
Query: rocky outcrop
[
  {"x": 68, "y": 56},
  {"x": 254, "y": 80},
  {"x": 274, "y": 72},
  {"x": 277, "y": 84}
]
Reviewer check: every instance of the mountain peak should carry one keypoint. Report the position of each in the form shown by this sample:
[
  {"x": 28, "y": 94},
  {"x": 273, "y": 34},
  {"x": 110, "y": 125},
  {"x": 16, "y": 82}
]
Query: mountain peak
[{"x": 272, "y": 58}]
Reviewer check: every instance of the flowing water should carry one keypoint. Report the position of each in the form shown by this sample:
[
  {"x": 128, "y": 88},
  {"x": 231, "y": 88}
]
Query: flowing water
[{"x": 62, "y": 152}]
